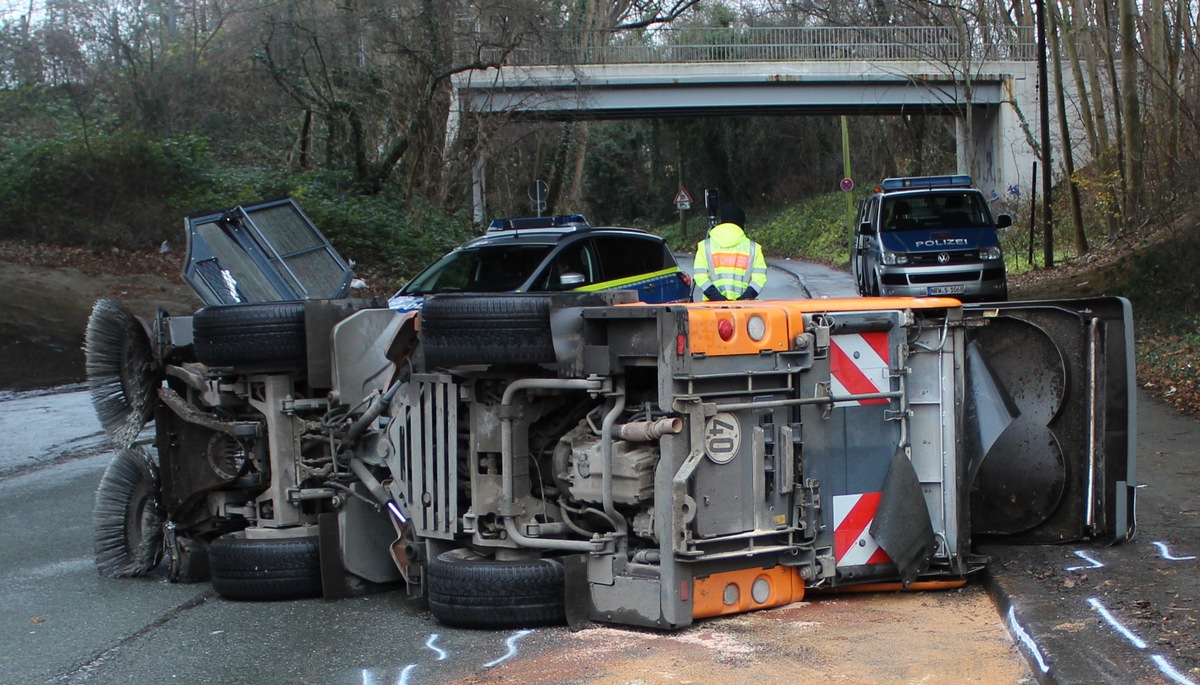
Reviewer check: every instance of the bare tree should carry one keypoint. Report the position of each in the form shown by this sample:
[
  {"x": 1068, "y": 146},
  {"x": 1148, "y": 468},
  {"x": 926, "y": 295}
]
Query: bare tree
[
  {"x": 377, "y": 75},
  {"x": 1064, "y": 128},
  {"x": 1132, "y": 134}
]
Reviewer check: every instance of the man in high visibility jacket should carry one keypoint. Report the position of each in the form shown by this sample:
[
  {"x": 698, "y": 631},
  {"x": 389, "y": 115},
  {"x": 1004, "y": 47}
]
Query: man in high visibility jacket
[{"x": 729, "y": 265}]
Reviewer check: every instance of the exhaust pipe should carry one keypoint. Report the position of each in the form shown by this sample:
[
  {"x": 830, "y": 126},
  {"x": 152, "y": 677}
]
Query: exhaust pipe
[{"x": 648, "y": 431}]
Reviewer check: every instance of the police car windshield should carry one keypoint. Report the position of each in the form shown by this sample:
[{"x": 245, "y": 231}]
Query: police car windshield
[
  {"x": 484, "y": 269},
  {"x": 934, "y": 210}
]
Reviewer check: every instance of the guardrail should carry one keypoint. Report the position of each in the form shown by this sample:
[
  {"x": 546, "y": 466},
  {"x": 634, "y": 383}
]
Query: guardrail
[{"x": 942, "y": 44}]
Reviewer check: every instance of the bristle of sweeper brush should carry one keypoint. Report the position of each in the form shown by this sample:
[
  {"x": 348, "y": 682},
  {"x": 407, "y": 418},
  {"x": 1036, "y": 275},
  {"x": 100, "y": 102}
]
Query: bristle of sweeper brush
[
  {"x": 121, "y": 370},
  {"x": 128, "y": 516}
]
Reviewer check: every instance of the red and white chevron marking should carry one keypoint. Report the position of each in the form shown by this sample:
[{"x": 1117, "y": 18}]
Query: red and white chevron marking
[
  {"x": 858, "y": 365},
  {"x": 852, "y": 541}
]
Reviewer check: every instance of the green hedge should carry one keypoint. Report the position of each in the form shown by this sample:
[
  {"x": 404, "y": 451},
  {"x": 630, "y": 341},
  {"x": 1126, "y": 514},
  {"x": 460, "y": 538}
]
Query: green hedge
[
  {"x": 134, "y": 191},
  {"x": 115, "y": 189}
]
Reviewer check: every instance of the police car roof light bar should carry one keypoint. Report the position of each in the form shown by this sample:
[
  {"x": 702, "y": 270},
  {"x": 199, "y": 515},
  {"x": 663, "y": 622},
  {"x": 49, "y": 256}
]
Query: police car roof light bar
[
  {"x": 527, "y": 222},
  {"x": 921, "y": 182}
]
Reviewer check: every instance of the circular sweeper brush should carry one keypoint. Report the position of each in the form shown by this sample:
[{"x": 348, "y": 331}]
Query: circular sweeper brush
[
  {"x": 128, "y": 516},
  {"x": 122, "y": 372}
]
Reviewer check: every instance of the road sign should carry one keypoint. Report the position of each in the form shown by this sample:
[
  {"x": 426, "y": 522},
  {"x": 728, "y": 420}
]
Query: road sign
[
  {"x": 538, "y": 191},
  {"x": 847, "y": 184},
  {"x": 683, "y": 198}
]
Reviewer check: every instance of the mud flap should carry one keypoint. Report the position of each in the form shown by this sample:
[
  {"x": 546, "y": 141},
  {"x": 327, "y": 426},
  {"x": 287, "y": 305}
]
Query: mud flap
[
  {"x": 335, "y": 582},
  {"x": 578, "y": 596},
  {"x": 1064, "y": 467},
  {"x": 902, "y": 526}
]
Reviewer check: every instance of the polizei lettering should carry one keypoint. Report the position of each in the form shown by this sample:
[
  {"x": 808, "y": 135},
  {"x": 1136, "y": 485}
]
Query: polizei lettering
[{"x": 944, "y": 242}]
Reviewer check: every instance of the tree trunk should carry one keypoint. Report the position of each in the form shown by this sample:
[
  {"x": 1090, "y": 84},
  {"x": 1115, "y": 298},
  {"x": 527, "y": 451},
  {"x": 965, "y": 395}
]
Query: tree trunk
[
  {"x": 1117, "y": 188},
  {"x": 1070, "y": 34},
  {"x": 305, "y": 139},
  {"x": 1131, "y": 117},
  {"x": 1095, "y": 58},
  {"x": 575, "y": 201},
  {"x": 1068, "y": 155}
]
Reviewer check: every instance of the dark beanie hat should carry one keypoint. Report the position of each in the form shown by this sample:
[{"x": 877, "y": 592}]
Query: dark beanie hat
[{"x": 733, "y": 214}]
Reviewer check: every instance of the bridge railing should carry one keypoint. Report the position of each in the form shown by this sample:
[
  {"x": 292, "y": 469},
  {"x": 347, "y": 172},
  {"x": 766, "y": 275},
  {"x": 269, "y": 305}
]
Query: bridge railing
[{"x": 940, "y": 44}]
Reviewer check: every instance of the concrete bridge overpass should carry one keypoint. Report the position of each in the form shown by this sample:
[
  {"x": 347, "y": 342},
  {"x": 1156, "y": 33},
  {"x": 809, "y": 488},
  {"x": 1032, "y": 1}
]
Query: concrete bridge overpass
[{"x": 989, "y": 86}]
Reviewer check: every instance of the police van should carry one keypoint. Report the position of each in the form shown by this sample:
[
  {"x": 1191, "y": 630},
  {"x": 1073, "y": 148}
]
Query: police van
[{"x": 929, "y": 236}]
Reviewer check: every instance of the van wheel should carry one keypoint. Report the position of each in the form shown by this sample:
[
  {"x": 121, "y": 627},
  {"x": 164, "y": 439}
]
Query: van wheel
[
  {"x": 502, "y": 328},
  {"x": 472, "y": 591},
  {"x": 253, "y": 333},
  {"x": 127, "y": 521},
  {"x": 265, "y": 569}
]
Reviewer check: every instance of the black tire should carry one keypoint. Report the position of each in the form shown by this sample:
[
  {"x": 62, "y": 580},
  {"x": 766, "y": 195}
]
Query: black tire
[
  {"x": 472, "y": 591},
  {"x": 503, "y": 328},
  {"x": 248, "y": 334},
  {"x": 127, "y": 521},
  {"x": 265, "y": 569}
]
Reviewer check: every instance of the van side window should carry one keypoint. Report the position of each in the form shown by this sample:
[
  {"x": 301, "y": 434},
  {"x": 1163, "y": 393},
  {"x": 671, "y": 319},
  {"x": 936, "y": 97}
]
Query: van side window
[{"x": 866, "y": 211}]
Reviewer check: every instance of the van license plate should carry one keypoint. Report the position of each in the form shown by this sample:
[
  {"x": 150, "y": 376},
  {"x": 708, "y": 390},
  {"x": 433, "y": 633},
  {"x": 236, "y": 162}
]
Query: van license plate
[{"x": 947, "y": 289}]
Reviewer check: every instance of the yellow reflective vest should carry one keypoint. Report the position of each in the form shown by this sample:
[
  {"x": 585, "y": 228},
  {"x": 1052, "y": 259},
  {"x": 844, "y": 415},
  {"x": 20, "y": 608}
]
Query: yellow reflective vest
[{"x": 730, "y": 261}]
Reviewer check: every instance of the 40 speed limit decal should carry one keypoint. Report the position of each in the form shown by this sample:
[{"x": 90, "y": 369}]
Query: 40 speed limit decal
[{"x": 722, "y": 437}]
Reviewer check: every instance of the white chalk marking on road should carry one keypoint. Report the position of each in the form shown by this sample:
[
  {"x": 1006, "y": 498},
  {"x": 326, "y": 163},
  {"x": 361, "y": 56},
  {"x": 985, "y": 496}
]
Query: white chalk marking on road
[
  {"x": 1112, "y": 621},
  {"x": 440, "y": 652},
  {"x": 1170, "y": 672},
  {"x": 1084, "y": 555},
  {"x": 512, "y": 648},
  {"x": 1166, "y": 553},
  {"x": 403, "y": 680},
  {"x": 1019, "y": 631}
]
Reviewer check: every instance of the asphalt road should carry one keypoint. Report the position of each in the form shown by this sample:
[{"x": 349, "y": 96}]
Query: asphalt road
[{"x": 1067, "y": 614}]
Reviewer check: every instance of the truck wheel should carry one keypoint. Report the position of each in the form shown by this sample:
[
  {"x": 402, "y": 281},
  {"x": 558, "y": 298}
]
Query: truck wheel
[
  {"x": 265, "y": 568},
  {"x": 254, "y": 333},
  {"x": 503, "y": 328},
  {"x": 127, "y": 521},
  {"x": 473, "y": 591}
]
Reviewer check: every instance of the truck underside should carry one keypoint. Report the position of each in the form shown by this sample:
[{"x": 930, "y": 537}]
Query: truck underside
[{"x": 521, "y": 460}]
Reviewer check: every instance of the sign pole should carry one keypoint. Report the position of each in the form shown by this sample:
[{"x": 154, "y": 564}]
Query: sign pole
[
  {"x": 682, "y": 216},
  {"x": 847, "y": 176}
]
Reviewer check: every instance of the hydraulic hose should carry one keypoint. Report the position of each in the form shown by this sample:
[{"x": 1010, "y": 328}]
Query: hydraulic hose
[
  {"x": 508, "y": 501},
  {"x": 506, "y": 418},
  {"x": 606, "y": 463}
]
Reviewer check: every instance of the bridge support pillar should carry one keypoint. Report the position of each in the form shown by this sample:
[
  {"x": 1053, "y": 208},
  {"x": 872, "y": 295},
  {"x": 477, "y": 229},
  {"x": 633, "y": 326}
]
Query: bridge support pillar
[{"x": 1001, "y": 143}]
